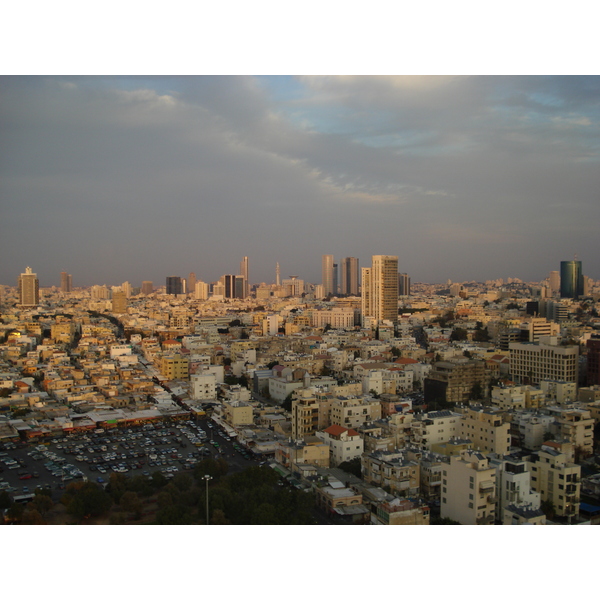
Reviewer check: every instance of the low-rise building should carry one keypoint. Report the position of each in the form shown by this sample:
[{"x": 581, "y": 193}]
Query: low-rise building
[
  {"x": 469, "y": 489},
  {"x": 344, "y": 444}
]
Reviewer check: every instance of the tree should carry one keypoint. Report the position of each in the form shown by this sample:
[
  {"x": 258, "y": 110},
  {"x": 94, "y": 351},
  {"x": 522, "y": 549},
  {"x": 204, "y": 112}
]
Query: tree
[
  {"x": 481, "y": 335},
  {"x": 352, "y": 466},
  {"x": 89, "y": 501},
  {"x": 287, "y": 403},
  {"x": 5, "y": 500},
  {"x": 395, "y": 351},
  {"x": 130, "y": 502},
  {"x": 458, "y": 335},
  {"x": 548, "y": 508},
  {"x": 476, "y": 391}
]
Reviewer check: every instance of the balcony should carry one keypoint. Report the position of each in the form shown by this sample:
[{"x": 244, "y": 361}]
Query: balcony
[
  {"x": 487, "y": 520},
  {"x": 487, "y": 486},
  {"x": 491, "y": 499}
]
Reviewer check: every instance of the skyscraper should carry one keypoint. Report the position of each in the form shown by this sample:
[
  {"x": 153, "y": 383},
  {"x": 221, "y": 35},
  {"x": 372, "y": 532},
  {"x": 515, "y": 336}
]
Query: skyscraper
[
  {"x": 571, "y": 279},
  {"x": 29, "y": 288},
  {"x": 244, "y": 274},
  {"x": 119, "y": 302},
  {"x": 380, "y": 289},
  {"x": 147, "y": 287},
  {"x": 191, "y": 283},
  {"x": 349, "y": 276},
  {"x": 554, "y": 281},
  {"x": 327, "y": 274},
  {"x": 65, "y": 282},
  {"x": 403, "y": 284},
  {"x": 174, "y": 285}
]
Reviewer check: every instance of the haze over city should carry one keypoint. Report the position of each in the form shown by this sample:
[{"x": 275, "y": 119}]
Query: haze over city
[{"x": 140, "y": 178}]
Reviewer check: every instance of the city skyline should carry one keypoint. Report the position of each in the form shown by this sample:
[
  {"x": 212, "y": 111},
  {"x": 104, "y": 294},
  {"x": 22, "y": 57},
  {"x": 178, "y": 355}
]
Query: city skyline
[{"x": 462, "y": 178}]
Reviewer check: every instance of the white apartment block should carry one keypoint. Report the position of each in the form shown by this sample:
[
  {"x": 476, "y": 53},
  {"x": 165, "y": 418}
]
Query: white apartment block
[
  {"x": 344, "y": 444},
  {"x": 513, "y": 485},
  {"x": 469, "y": 489},
  {"x": 204, "y": 386},
  {"x": 435, "y": 427},
  {"x": 518, "y": 397},
  {"x": 559, "y": 392}
]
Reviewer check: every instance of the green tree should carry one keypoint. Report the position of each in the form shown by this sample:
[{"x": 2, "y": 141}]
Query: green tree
[
  {"x": 458, "y": 335},
  {"x": 287, "y": 403},
  {"x": 548, "y": 508},
  {"x": 131, "y": 503},
  {"x": 89, "y": 501},
  {"x": 5, "y": 500},
  {"x": 352, "y": 466}
]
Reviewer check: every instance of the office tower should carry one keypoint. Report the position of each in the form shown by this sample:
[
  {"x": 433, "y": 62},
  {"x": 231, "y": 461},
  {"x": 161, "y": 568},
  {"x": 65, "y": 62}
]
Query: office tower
[
  {"x": 335, "y": 279},
  {"x": 349, "y": 276},
  {"x": 201, "y": 290},
  {"x": 29, "y": 289},
  {"x": 65, "y": 282},
  {"x": 586, "y": 285},
  {"x": 127, "y": 288},
  {"x": 293, "y": 286},
  {"x": 119, "y": 302},
  {"x": 554, "y": 281},
  {"x": 403, "y": 284},
  {"x": 174, "y": 285},
  {"x": 147, "y": 287},
  {"x": 327, "y": 274},
  {"x": 277, "y": 275},
  {"x": 240, "y": 287},
  {"x": 380, "y": 289},
  {"x": 571, "y": 279},
  {"x": 234, "y": 286},
  {"x": 191, "y": 283},
  {"x": 244, "y": 274}
]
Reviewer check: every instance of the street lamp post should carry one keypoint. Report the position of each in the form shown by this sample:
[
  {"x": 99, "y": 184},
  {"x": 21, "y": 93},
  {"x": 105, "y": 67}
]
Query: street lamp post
[{"x": 207, "y": 478}]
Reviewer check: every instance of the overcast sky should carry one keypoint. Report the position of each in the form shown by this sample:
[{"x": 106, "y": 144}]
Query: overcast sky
[{"x": 131, "y": 179}]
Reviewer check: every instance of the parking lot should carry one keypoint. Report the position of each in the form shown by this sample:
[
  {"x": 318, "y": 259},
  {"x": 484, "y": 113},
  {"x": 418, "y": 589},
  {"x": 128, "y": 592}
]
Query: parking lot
[{"x": 142, "y": 450}]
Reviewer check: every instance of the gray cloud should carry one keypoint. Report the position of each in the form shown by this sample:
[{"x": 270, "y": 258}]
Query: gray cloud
[{"x": 119, "y": 179}]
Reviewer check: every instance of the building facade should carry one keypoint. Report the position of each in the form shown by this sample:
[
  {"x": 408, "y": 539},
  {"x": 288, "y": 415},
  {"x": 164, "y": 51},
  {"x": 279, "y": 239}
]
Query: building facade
[{"x": 29, "y": 288}]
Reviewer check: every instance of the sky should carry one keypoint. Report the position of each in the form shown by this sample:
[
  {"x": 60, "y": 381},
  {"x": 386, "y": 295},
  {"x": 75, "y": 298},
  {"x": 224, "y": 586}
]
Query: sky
[{"x": 120, "y": 178}]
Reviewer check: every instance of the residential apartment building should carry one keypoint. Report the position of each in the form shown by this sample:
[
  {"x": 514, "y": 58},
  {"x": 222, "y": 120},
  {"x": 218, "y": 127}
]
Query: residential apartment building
[
  {"x": 344, "y": 444},
  {"x": 401, "y": 511},
  {"x": 310, "y": 451},
  {"x": 469, "y": 489},
  {"x": 380, "y": 289},
  {"x": 434, "y": 427},
  {"x": 327, "y": 275},
  {"x": 352, "y": 412},
  {"x": 486, "y": 429},
  {"x": 391, "y": 470},
  {"x": 513, "y": 486},
  {"x": 557, "y": 479},
  {"x": 518, "y": 397},
  {"x": 237, "y": 413},
  {"x": 174, "y": 366},
  {"x": 575, "y": 425}
]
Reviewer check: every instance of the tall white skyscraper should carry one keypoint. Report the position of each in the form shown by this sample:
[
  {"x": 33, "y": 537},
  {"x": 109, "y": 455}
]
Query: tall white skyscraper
[
  {"x": 327, "y": 274},
  {"x": 29, "y": 288},
  {"x": 380, "y": 289},
  {"x": 244, "y": 274}
]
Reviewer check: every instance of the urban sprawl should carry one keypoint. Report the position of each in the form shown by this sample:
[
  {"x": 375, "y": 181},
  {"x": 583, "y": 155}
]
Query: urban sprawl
[{"x": 366, "y": 398}]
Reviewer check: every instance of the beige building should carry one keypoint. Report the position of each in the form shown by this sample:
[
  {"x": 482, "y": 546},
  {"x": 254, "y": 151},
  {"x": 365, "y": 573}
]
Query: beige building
[
  {"x": 380, "y": 289},
  {"x": 469, "y": 490},
  {"x": 391, "y": 470},
  {"x": 312, "y": 451},
  {"x": 354, "y": 412},
  {"x": 485, "y": 428},
  {"x": 532, "y": 363},
  {"x": 434, "y": 427},
  {"x": 518, "y": 397},
  {"x": 174, "y": 366},
  {"x": 402, "y": 511},
  {"x": 237, "y": 414},
  {"x": 557, "y": 479},
  {"x": 575, "y": 425}
]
